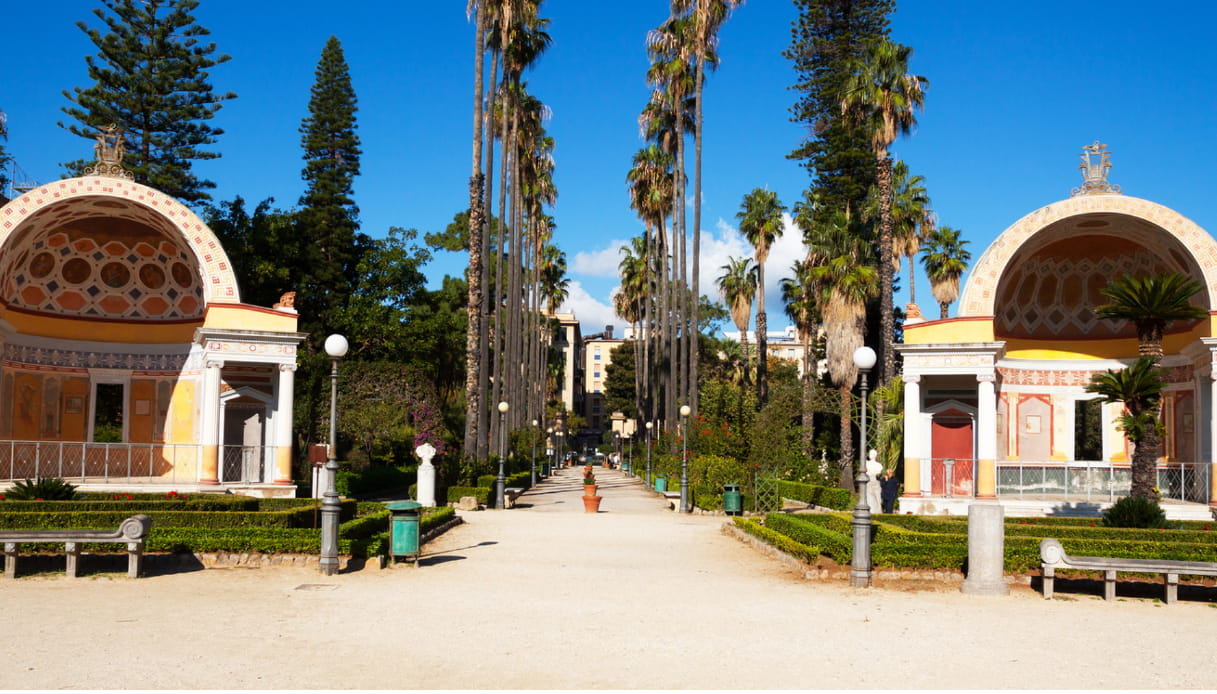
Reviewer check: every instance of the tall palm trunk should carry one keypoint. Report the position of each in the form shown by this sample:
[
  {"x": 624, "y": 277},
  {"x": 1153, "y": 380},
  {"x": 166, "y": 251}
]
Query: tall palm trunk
[
  {"x": 477, "y": 182},
  {"x": 762, "y": 339},
  {"x": 887, "y": 322},
  {"x": 499, "y": 335},
  {"x": 845, "y": 464},
  {"x": 695, "y": 313},
  {"x": 488, "y": 302}
]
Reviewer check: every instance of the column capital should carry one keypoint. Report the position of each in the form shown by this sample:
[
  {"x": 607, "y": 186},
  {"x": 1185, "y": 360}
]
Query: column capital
[
  {"x": 214, "y": 364},
  {"x": 986, "y": 378},
  {"x": 911, "y": 378},
  {"x": 285, "y": 368}
]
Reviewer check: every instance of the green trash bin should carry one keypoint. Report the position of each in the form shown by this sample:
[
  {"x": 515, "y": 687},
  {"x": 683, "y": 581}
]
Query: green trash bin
[
  {"x": 733, "y": 502},
  {"x": 661, "y": 484},
  {"x": 403, "y": 529}
]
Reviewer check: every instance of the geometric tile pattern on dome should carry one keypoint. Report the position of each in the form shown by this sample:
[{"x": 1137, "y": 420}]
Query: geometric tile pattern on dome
[
  {"x": 101, "y": 269},
  {"x": 1054, "y": 297}
]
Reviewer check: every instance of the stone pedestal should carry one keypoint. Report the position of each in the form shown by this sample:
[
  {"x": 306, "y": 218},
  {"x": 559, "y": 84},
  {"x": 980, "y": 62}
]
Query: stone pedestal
[{"x": 986, "y": 550}]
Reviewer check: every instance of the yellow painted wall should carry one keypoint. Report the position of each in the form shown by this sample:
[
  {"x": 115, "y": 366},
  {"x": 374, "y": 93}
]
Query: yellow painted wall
[
  {"x": 952, "y": 330},
  {"x": 181, "y": 413},
  {"x": 246, "y": 317},
  {"x": 71, "y": 328}
]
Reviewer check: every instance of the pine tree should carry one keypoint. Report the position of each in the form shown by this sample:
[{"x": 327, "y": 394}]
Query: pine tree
[
  {"x": 5, "y": 158},
  {"x": 331, "y": 246},
  {"x": 827, "y": 36},
  {"x": 150, "y": 78}
]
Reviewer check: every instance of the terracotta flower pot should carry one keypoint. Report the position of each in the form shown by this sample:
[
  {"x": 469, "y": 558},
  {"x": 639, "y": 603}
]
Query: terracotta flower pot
[
  {"x": 590, "y": 489},
  {"x": 591, "y": 504}
]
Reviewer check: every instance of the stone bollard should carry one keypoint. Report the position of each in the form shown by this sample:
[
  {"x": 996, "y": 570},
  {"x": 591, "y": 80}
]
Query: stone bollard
[
  {"x": 426, "y": 475},
  {"x": 986, "y": 550}
]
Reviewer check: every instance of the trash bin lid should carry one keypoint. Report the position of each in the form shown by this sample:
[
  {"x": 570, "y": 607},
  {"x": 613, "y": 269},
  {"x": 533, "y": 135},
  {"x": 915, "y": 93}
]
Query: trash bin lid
[{"x": 403, "y": 505}]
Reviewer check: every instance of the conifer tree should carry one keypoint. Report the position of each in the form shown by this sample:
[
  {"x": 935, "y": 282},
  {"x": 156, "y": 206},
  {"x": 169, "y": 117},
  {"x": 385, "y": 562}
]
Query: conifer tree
[
  {"x": 151, "y": 78},
  {"x": 329, "y": 243},
  {"x": 826, "y": 37}
]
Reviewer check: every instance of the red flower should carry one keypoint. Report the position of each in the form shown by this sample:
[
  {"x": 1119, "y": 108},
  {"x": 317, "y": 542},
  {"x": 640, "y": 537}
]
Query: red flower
[
  {"x": 1092, "y": 525},
  {"x": 38, "y": 499},
  {"x": 129, "y": 497},
  {"x": 1205, "y": 527},
  {"x": 1022, "y": 522}
]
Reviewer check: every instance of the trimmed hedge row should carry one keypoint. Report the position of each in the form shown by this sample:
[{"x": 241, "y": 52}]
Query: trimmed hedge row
[
  {"x": 786, "y": 544},
  {"x": 196, "y": 502},
  {"x": 830, "y": 542},
  {"x": 109, "y": 515},
  {"x": 482, "y": 494},
  {"x": 828, "y": 497},
  {"x": 921, "y": 542},
  {"x": 373, "y": 479}
]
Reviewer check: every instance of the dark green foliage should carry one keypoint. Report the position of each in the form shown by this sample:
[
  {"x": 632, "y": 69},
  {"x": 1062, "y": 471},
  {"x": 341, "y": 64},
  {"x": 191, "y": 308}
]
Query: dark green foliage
[
  {"x": 261, "y": 246},
  {"x": 619, "y": 393},
  {"x": 482, "y": 493},
  {"x": 1135, "y": 512},
  {"x": 328, "y": 216},
  {"x": 813, "y": 530},
  {"x": 828, "y": 497},
  {"x": 826, "y": 37},
  {"x": 795, "y": 549},
  {"x": 372, "y": 480},
  {"x": 44, "y": 488},
  {"x": 151, "y": 78},
  {"x": 708, "y": 474}
]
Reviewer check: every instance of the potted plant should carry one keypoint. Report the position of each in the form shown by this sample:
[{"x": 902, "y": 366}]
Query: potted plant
[{"x": 589, "y": 481}]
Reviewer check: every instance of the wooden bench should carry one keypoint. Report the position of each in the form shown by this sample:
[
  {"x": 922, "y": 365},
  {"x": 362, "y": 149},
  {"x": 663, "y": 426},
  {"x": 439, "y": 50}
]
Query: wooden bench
[
  {"x": 132, "y": 531},
  {"x": 1053, "y": 557}
]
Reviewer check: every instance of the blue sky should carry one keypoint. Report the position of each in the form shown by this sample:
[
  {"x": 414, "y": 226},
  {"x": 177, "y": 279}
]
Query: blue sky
[{"x": 1016, "y": 90}]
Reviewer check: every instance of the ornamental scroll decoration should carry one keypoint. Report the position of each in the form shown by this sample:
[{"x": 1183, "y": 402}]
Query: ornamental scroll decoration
[
  {"x": 110, "y": 148},
  {"x": 1096, "y": 162}
]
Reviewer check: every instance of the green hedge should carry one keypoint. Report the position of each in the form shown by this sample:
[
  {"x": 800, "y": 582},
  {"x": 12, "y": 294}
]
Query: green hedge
[
  {"x": 828, "y": 497},
  {"x": 482, "y": 494},
  {"x": 373, "y": 479},
  {"x": 809, "y": 532},
  {"x": 796, "y": 549}
]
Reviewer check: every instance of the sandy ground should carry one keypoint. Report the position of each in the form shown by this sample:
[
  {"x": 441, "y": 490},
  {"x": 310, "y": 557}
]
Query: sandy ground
[{"x": 548, "y": 596}]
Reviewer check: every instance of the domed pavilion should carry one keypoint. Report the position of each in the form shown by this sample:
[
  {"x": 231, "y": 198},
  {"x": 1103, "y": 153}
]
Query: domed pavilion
[
  {"x": 995, "y": 399},
  {"x": 129, "y": 361}
]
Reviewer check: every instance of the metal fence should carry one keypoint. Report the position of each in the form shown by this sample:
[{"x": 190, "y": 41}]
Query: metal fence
[
  {"x": 1071, "y": 481},
  {"x": 100, "y": 462},
  {"x": 241, "y": 464}
]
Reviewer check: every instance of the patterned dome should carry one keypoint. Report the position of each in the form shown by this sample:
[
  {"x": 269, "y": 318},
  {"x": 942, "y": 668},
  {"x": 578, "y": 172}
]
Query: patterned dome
[
  {"x": 103, "y": 259},
  {"x": 1053, "y": 283}
]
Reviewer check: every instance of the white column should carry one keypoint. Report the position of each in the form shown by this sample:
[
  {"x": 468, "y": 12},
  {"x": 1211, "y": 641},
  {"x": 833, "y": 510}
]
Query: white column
[
  {"x": 283, "y": 424},
  {"x": 986, "y": 439},
  {"x": 210, "y": 420},
  {"x": 426, "y": 475},
  {"x": 1212, "y": 413},
  {"x": 913, "y": 421}
]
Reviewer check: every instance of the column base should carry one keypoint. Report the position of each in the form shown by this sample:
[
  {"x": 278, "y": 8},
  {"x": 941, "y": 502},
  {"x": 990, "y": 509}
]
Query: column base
[{"x": 210, "y": 483}]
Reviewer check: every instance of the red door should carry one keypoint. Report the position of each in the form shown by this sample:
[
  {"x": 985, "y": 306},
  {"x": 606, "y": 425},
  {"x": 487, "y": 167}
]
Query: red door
[{"x": 951, "y": 439}]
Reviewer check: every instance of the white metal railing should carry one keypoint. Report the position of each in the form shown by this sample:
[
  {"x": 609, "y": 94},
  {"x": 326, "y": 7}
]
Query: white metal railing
[
  {"x": 1073, "y": 480},
  {"x": 101, "y": 463}
]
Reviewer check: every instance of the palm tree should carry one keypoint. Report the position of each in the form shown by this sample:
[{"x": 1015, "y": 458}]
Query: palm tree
[
  {"x": 760, "y": 221},
  {"x": 882, "y": 96},
  {"x": 841, "y": 256},
  {"x": 945, "y": 260},
  {"x": 799, "y": 296},
  {"x": 1151, "y": 303},
  {"x": 708, "y": 17},
  {"x": 912, "y": 219},
  {"x": 650, "y": 181},
  {"x": 1139, "y": 388},
  {"x": 738, "y": 285}
]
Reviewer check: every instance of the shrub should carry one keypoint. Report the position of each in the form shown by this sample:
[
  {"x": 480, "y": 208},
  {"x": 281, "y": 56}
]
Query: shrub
[
  {"x": 828, "y": 497},
  {"x": 1135, "y": 512},
  {"x": 372, "y": 479},
  {"x": 45, "y": 488},
  {"x": 482, "y": 494},
  {"x": 805, "y": 530}
]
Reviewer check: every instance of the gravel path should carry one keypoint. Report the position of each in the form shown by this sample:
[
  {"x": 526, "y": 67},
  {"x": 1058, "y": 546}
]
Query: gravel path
[{"x": 548, "y": 596}]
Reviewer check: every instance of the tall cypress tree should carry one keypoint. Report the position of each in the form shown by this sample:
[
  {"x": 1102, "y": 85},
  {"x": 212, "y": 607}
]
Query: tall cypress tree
[
  {"x": 150, "y": 78},
  {"x": 827, "y": 35},
  {"x": 330, "y": 245}
]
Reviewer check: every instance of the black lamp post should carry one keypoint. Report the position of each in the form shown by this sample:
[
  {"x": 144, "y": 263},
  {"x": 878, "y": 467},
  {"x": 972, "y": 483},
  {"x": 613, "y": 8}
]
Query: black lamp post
[
  {"x": 336, "y": 347},
  {"x": 649, "y": 425},
  {"x": 860, "y": 572},
  {"x": 499, "y": 491},
  {"x": 533, "y": 477},
  {"x": 684, "y": 459}
]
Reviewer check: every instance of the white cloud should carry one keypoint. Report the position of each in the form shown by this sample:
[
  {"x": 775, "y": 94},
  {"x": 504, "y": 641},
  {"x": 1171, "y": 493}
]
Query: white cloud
[
  {"x": 599, "y": 263},
  {"x": 592, "y": 313},
  {"x": 727, "y": 242}
]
